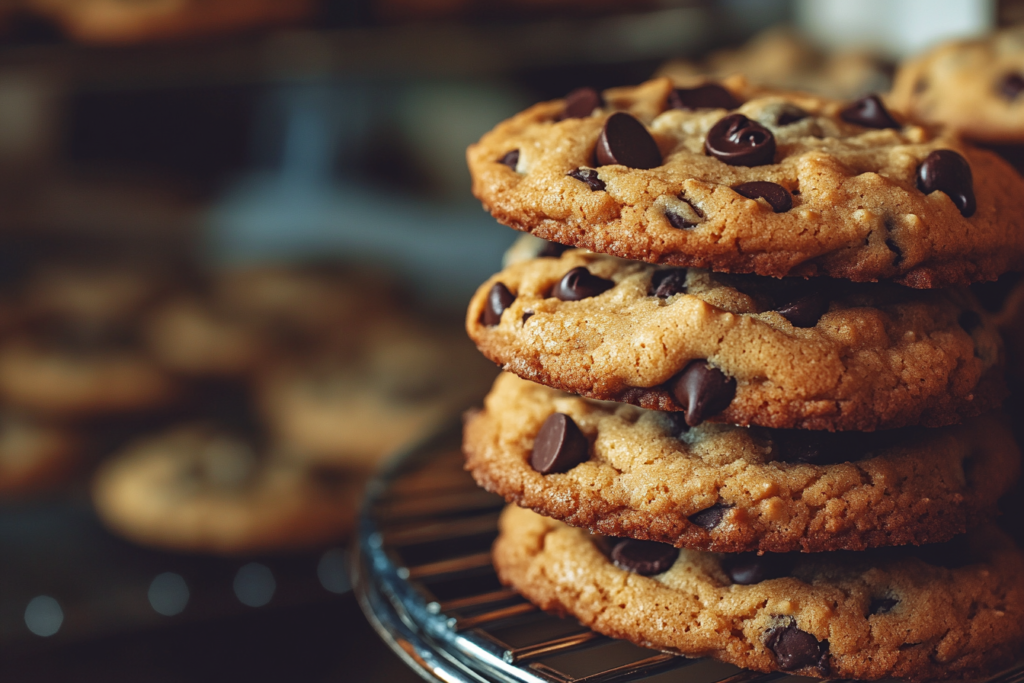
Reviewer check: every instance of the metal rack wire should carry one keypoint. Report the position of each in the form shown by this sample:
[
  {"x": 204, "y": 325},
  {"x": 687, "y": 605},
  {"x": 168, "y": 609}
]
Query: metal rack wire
[{"x": 423, "y": 575}]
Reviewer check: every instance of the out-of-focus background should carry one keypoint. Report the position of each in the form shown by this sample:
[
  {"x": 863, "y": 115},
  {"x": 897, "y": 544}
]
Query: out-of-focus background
[{"x": 236, "y": 241}]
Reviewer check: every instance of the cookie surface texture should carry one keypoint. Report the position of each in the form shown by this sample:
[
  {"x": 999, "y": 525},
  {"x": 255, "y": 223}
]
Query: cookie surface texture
[
  {"x": 877, "y": 356},
  {"x": 732, "y": 489},
  {"x": 897, "y": 613},
  {"x": 856, "y": 211},
  {"x": 976, "y": 87}
]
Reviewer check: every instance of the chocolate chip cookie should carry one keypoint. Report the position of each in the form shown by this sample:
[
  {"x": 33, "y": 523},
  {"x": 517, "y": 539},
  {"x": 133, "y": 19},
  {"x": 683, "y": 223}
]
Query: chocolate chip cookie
[
  {"x": 741, "y": 349},
  {"x": 975, "y": 87},
  {"x": 201, "y": 488},
  {"x": 625, "y": 471},
  {"x": 954, "y": 610},
  {"x": 34, "y": 453},
  {"x": 742, "y": 180}
]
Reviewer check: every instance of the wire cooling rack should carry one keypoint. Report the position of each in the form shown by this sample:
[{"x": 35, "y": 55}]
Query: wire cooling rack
[{"x": 423, "y": 575}]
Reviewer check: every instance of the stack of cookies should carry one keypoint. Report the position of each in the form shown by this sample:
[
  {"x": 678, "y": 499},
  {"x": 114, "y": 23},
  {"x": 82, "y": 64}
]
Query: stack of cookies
[{"x": 767, "y": 437}]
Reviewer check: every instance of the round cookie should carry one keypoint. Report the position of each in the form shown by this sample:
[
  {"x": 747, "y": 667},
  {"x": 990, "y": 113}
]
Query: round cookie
[
  {"x": 34, "y": 454},
  {"x": 383, "y": 392},
  {"x": 794, "y": 353},
  {"x": 975, "y": 87},
  {"x": 854, "y": 194},
  {"x": 101, "y": 293},
  {"x": 198, "y": 488},
  {"x": 955, "y": 610},
  {"x": 643, "y": 474}
]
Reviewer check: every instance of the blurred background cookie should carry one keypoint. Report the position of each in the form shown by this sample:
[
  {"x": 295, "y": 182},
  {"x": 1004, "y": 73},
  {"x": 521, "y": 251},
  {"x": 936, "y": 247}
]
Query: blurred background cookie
[{"x": 34, "y": 454}]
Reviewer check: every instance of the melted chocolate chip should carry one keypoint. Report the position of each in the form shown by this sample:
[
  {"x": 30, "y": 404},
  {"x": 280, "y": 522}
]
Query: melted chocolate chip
[
  {"x": 707, "y": 96},
  {"x": 581, "y": 103},
  {"x": 805, "y": 311},
  {"x": 511, "y": 159},
  {"x": 625, "y": 141},
  {"x": 677, "y": 424},
  {"x": 552, "y": 250},
  {"x": 790, "y": 114},
  {"x": 776, "y": 195},
  {"x": 588, "y": 176},
  {"x": 645, "y": 558},
  {"x": 747, "y": 569},
  {"x": 668, "y": 282},
  {"x": 795, "y": 649},
  {"x": 579, "y": 284},
  {"x": 869, "y": 112},
  {"x": 559, "y": 446},
  {"x": 881, "y": 605},
  {"x": 1011, "y": 86},
  {"x": 969, "y": 320},
  {"x": 738, "y": 141},
  {"x": 946, "y": 171},
  {"x": 498, "y": 299},
  {"x": 702, "y": 390},
  {"x": 711, "y": 517},
  {"x": 678, "y": 222}
]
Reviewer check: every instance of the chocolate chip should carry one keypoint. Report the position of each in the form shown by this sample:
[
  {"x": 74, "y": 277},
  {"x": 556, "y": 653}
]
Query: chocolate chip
[
  {"x": 498, "y": 299},
  {"x": 790, "y": 114},
  {"x": 746, "y": 569},
  {"x": 511, "y": 159},
  {"x": 707, "y": 96},
  {"x": 738, "y": 141},
  {"x": 946, "y": 171},
  {"x": 625, "y": 141},
  {"x": 805, "y": 311},
  {"x": 677, "y": 424},
  {"x": 677, "y": 221},
  {"x": 668, "y": 282},
  {"x": 776, "y": 195},
  {"x": 581, "y": 103},
  {"x": 711, "y": 517},
  {"x": 795, "y": 649},
  {"x": 552, "y": 250},
  {"x": 969, "y": 320},
  {"x": 881, "y": 605},
  {"x": 702, "y": 390},
  {"x": 527, "y": 315},
  {"x": 1011, "y": 86},
  {"x": 588, "y": 176},
  {"x": 559, "y": 446},
  {"x": 578, "y": 284},
  {"x": 869, "y": 112},
  {"x": 645, "y": 558}
]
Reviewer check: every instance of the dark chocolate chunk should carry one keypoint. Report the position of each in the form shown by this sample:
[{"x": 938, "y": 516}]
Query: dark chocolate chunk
[
  {"x": 581, "y": 103},
  {"x": 702, "y": 390},
  {"x": 747, "y": 569},
  {"x": 711, "y": 517},
  {"x": 776, "y": 195},
  {"x": 869, "y": 112},
  {"x": 946, "y": 171},
  {"x": 588, "y": 176},
  {"x": 625, "y": 141},
  {"x": 668, "y": 282},
  {"x": 578, "y": 284},
  {"x": 969, "y": 320},
  {"x": 790, "y": 114},
  {"x": 552, "y": 250},
  {"x": 881, "y": 605},
  {"x": 645, "y": 558},
  {"x": 795, "y": 649},
  {"x": 559, "y": 446},
  {"x": 681, "y": 222},
  {"x": 707, "y": 96},
  {"x": 498, "y": 299},
  {"x": 1011, "y": 86},
  {"x": 805, "y": 311},
  {"x": 738, "y": 141},
  {"x": 511, "y": 159}
]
